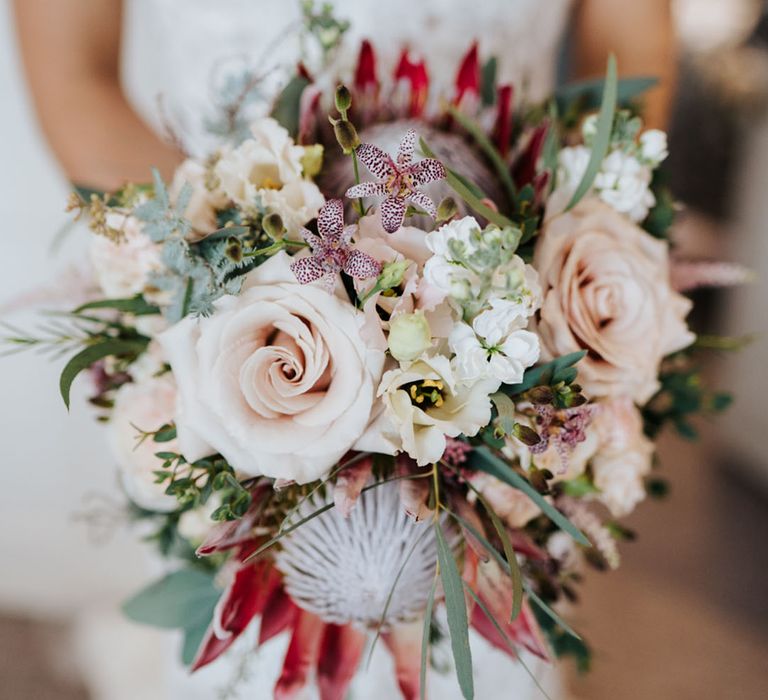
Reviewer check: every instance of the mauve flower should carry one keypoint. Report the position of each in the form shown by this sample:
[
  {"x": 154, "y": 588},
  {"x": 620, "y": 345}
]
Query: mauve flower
[
  {"x": 400, "y": 180},
  {"x": 332, "y": 251},
  {"x": 607, "y": 290}
]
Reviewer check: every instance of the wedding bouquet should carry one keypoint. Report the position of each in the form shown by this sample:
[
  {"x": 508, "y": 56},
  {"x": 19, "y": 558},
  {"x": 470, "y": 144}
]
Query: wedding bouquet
[{"x": 388, "y": 364}]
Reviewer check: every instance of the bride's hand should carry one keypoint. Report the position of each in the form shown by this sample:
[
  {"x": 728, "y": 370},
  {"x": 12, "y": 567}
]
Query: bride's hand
[{"x": 71, "y": 50}]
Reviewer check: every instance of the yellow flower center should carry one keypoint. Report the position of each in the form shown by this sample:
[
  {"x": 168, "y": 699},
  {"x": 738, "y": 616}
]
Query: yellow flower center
[{"x": 427, "y": 393}]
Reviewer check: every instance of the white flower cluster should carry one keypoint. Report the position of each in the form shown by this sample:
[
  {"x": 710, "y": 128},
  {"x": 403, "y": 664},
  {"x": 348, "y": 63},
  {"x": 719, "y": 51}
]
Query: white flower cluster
[
  {"x": 625, "y": 176},
  {"x": 496, "y": 293}
]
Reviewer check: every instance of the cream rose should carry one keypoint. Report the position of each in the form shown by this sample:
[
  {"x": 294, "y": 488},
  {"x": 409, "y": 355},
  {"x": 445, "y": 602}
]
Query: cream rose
[
  {"x": 423, "y": 404},
  {"x": 147, "y": 405},
  {"x": 278, "y": 380},
  {"x": 607, "y": 290},
  {"x": 624, "y": 456},
  {"x": 123, "y": 266}
]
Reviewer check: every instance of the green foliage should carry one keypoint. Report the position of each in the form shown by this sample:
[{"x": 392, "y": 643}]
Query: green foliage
[
  {"x": 482, "y": 459},
  {"x": 425, "y": 639},
  {"x": 682, "y": 395},
  {"x": 137, "y": 306},
  {"x": 661, "y": 217},
  {"x": 470, "y": 193},
  {"x": 456, "y": 610},
  {"x": 564, "y": 644},
  {"x": 561, "y": 370},
  {"x": 586, "y": 94},
  {"x": 488, "y": 82},
  {"x": 125, "y": 349},
  {"x": 162, "y": 219},
  {"x": 286, "y": 109},
  {"x": 602, "y": 139},
  {"x": 193, "y": 484},
  {"x": 184, "y": 600},
  {"x": 321, "y": 24}
]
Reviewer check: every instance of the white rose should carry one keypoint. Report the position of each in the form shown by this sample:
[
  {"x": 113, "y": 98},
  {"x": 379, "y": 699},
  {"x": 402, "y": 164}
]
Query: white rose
[
  {"x": 267, "y": 161},
  {"x": 123, "y": 267},
  {"x": 203, "y": 203},
  {"x": 653, "y": 146},
  {"x": 147, "y": 405},
  {"x": 624, "y": 457},
  {"x": 297, "y": 203},
  {"x": 278, "y": 380},
  {"x": 422, "y": 405}
]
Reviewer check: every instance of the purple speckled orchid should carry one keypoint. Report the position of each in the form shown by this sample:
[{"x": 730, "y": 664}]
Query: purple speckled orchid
[
  {"x": 332, "y": 252},
  {"x": 399, "y": 181}
]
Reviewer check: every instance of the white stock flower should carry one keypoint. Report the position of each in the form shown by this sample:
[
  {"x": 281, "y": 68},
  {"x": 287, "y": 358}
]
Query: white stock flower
[
  {"x": 653, "y": 146},
  {"x": 123, "y": 267},
  {"x": 497, "y": 345},
  {"x": 422, "y": 405},
  {"x": 147, "y": 405},
  {"x": 624, "y": 183}
]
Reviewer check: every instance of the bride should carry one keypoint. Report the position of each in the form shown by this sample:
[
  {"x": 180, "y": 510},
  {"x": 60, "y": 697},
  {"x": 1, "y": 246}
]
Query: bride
[{"x": 109, "y": 78}]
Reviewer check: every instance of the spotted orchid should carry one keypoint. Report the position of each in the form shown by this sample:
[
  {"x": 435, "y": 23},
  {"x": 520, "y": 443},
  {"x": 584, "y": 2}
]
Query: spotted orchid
[
  {"x": 400, "y": 180},
  {"x": 332, "y": 252}
]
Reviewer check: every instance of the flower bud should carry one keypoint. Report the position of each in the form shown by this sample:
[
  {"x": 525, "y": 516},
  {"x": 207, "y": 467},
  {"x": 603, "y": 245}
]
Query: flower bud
[
  {"x": 312, "y": 160},
  {"x": 273, "y": 226},
  {"x": 392, "y": 274},
  {"x": 541, "y": 395},
  {"x": 343, "y": 100},
  {"x": 346, "y": 135},
  {"x": 447, "y": 209},
  {"x": 528, "y": 436},
  {"x": 409, "y": 336}
]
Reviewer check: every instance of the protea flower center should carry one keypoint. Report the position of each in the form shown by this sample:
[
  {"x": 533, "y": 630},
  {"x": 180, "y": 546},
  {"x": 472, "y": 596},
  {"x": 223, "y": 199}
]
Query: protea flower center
[{"x": 345, "y": 570}]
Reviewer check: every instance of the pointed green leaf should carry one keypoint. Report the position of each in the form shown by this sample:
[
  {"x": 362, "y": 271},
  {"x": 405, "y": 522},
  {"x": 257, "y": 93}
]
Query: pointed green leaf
[
  {"x": 425, "y": 640},
  {"x": 85, "y": 358},
  {"x": 602, "y": 139},
  {"x": 456, "y": 609},
  {"x": 483, "y": 459}
]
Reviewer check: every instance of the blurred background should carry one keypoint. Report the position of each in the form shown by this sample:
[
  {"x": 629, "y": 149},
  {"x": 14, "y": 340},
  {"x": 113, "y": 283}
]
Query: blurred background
[{"x": 687, "y": 614}]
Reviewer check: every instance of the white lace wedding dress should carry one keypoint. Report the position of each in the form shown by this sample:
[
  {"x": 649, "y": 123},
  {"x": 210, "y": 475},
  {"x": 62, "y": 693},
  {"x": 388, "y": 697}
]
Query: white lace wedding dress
[{"x": 175, "y": 52}]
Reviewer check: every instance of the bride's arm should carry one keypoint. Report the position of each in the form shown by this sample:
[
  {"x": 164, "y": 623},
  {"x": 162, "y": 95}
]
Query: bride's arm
[
  {"x": 641, "y": 34},
  {"x": 70, "y": 50}
]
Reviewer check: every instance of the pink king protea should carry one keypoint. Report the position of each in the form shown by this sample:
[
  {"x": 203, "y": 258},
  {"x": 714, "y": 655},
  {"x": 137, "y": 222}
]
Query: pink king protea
[
  {"x": 332, "y": 252},
  {"x": 399, "y": 182}
]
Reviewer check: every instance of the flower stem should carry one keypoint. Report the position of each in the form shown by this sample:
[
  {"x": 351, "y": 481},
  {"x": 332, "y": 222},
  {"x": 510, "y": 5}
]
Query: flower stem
[{"x": 356, "y": 168}]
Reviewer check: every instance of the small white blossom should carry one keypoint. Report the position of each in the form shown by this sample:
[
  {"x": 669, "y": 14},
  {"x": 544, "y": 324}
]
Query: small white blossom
[
  {"x": 624, "y": 183},
  {"x": 653, "y": 146}
]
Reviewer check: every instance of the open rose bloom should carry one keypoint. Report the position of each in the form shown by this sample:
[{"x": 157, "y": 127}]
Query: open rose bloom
[{"x": 362, "y": 419}]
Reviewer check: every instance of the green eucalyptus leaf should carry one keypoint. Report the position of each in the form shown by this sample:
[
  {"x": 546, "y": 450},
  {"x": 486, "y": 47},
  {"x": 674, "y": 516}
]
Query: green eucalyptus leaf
[
  {"x": 85, "y": 358},
  {"x": 548, "y": 373},
  {"x": 484, "y": 460},
  {"x": 602, "y": 140},
  {"x": 588, "y": 92},
  {"x": 138, "y": 306},
  {"x": 286, "y": 109},
  {"x": 456, "y": 610},
  {"x": 180, "y": 600}
]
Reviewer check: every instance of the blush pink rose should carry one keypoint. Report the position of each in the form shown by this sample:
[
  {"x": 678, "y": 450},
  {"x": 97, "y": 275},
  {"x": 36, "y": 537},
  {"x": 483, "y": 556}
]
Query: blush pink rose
[
  {"x": 607, "y": 290},
  {"x": 278, "y": 380}
]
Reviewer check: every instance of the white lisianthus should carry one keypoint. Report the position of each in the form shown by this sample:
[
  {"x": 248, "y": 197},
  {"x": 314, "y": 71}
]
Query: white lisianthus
[
  {"x": 267, "y": 161},
  {"x": 409, "y": 336},
  {"x": 123, "y": 266},
  {"x": 423, "y": 404},
  {"x": 147, "y": 405},
  {"x": 653, "y": 146},
  {"x": 496, "y": 345}
]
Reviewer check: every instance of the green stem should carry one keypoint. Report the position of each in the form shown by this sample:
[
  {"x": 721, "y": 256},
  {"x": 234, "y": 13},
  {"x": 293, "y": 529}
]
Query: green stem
[{"x": 356, "y": 168}]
